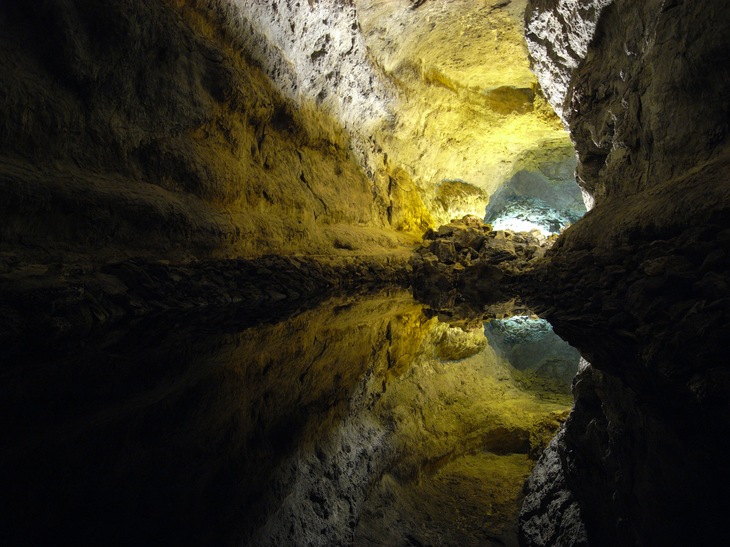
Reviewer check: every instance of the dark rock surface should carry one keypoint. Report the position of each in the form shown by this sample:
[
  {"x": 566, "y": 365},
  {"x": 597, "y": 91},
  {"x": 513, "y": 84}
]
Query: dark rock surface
[
  {"x": 644, "y": 86},
  {"x": 466, "y": 263},
  {"x": 640, "y": 284},
  {"x": 650, "y": 431},
  {"x": 39, "y": 302}
]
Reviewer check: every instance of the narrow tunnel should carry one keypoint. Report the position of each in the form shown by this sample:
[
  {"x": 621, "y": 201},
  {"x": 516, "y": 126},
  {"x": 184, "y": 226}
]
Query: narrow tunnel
[{"x": 364, "y": 272}]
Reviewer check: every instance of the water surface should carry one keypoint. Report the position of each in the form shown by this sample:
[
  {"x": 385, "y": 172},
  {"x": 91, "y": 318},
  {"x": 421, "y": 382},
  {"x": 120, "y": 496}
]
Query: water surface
[{"x": 363, "y": 420}]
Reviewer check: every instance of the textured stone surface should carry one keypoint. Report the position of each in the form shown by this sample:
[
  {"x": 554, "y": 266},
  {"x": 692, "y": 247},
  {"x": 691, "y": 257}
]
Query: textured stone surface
[
  {"x": 149, "y": 128},
  {"x": 467, "y": 264},
  {"x": 558, "y": 34},
  {"x": 236, "y": 128},
  {"x": 315, "y": 54},
  {"x": 550, "y": 515},
  {"x": 640, "y": 284},
  {"x": 467, "y": 108},
  {"x": 646, "y": 99}
]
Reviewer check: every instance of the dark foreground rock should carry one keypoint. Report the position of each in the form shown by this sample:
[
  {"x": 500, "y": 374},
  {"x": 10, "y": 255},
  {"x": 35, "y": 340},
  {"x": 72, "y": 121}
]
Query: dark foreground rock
[
  {"x": 466, "y": 263},
  {"x": 644, "y": 448},
  {"x": 640, "y": 284}
]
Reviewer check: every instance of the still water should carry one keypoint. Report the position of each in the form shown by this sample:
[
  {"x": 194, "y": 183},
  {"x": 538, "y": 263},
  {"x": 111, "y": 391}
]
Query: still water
[{"x": 364, "y": 420}]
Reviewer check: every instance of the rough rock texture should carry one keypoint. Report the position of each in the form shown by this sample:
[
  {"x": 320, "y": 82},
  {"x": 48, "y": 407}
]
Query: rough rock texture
[
  {"x": 315, "y": 52},
  {"x": 641, "y": 284},
  {"x": 467, "y": 264},
  {"x": 558, "y": 33},
  {"x": 652, "y": 426},
  {"x": 315, "y": 55},
  {"x": 646, "y": 101},
  {"x": 467, "y": 109},
  {"x": 235, "y": 128},
  {"x": 146, "y": 128},
  {"x": 550, "y": 514}
]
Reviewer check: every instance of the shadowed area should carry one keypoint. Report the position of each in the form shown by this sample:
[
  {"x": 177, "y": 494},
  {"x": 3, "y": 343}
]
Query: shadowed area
[{"x": 326, "y": 423}]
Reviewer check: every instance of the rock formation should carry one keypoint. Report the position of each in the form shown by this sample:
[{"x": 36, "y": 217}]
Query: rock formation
[
  {"x": 639, "y": 285},
  {"x": 183, "y": 156},
  {"x": 468, "y": 114},
  {"x": 194, "y": 131},
  {"x": 467, "y": 264},
  {"x": 152, "y": 129}
]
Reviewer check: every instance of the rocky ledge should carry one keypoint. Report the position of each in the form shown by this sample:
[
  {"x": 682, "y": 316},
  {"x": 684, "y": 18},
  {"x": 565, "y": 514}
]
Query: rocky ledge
[
  {"x": 40, "y": 302},
  {"x": 468, "y": 264}
]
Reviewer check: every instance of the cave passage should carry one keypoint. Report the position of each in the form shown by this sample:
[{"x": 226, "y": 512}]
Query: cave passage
[
  {"x": 189, "y": 189},
  {"x": 363, "y": 420}
]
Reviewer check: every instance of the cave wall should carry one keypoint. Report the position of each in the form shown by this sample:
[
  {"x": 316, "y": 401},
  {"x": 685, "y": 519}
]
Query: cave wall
[
  {"x": 467, "y": 114},
  {"x": 186, "y": 129},
  {"x": 642, "y": 88},
  {"x": 640, "y": 284},
  {"x": 150, "y": 128}
]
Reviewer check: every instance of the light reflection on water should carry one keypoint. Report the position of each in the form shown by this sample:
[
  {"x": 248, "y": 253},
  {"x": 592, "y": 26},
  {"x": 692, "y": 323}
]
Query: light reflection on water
[
  {"x": 530, "y": 345},
  {"x": 360, "y": 421}
]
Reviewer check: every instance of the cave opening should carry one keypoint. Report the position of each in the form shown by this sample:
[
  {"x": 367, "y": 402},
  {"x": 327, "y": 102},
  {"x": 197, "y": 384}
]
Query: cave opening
[
  {"x": 548, "y": 200},
  {"x": 332, "y": 273}
]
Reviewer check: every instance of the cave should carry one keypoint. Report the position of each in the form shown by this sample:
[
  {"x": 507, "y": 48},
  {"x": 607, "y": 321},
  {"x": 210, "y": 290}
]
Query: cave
[{"x": 361, "y": 272}]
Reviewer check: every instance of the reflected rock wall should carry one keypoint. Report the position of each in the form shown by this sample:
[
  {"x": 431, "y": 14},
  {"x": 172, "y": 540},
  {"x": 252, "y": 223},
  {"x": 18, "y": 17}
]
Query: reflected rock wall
[
  {"x": 360, "y": 420},
  {"x": 204, "y": 432}
]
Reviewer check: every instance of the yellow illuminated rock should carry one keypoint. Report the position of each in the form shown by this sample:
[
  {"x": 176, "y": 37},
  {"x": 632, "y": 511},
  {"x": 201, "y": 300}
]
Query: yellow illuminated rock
[{"x": 468, "y": 109}]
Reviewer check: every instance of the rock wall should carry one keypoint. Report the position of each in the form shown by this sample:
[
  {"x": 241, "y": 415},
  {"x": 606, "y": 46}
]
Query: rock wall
[
  {"x": 641, "y": 284},
  {"x": 188, "y": 129},
  {"x": 314, "y": 52},
  {"x": 558, "y": 33},
  {"x": 154, "y": 128},
  {"x": 466, "y": 115},
  {"x": 641, "y": 87}
]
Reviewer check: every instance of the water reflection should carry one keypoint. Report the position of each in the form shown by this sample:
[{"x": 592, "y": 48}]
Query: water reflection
[
  {"x": 531, "y": 345},
  {"x": 363, "y": 421}
]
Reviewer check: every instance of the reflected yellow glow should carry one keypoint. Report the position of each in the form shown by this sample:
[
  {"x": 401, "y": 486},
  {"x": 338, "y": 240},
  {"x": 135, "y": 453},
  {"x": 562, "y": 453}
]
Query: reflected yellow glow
[
  {"x": 466, "y": 423},
  {"x": 443, "y": 429}
]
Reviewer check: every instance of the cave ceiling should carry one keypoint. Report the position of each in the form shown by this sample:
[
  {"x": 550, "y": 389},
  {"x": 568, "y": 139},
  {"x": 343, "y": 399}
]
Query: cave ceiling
[
  {"x": 437, "y": 96},
  {"x": 468, "y": 109}
]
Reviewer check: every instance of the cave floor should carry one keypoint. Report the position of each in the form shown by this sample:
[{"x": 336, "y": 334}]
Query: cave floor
[{"x": 359, "y": 420}]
